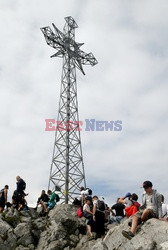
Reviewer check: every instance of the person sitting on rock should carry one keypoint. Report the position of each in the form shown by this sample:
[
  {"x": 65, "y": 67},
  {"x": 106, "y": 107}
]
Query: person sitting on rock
[
  {"x": 43, "y": 198},
  {"x": 22, "y": 204},
  {"x": 51, "y": 203},
  {"x": 164, "y": 210},
  {"x": 151, "y": 208},
  {"x": 18, "y": 201},
  {"x": 3, "y": 197},
  {"x": 119, "y": 212},
  {"x": 130, "y": 201},
  {"x": 87, "y": 213}
]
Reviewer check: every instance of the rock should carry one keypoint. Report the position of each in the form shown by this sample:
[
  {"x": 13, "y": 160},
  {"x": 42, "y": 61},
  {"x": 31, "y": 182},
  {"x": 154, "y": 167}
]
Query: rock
[
  {"x": 147, "y": 237},
  {"x": 63, "y": 230},
  {"x": 23, "y": 234}
]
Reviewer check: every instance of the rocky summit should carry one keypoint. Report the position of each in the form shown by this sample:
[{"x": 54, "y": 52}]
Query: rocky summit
[{"x": 62, "y": 229}]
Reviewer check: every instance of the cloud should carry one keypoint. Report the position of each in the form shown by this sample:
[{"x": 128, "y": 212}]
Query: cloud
[{"x": 129, "y": 40}]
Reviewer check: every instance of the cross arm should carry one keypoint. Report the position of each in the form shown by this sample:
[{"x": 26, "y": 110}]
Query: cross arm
[
  {"x": 87, "y": 58},
  {"x": 54, "y": 40}
]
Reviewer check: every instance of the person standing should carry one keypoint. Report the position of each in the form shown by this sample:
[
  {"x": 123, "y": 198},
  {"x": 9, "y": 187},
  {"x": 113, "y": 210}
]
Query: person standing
[
  {"x": 99, "y": 216},
  {"x": 3, "y": 197},
  {"x": 20, "y": 185}
]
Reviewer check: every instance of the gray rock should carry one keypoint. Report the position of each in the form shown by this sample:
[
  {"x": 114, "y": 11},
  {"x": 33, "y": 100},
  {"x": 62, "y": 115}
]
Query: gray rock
[
  {"x": 153, "y": 235},
  {"x": 63, "y": 230}
]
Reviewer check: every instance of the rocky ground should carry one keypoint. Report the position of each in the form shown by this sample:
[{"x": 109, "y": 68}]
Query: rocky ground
[{"x": 62, "y": 229}]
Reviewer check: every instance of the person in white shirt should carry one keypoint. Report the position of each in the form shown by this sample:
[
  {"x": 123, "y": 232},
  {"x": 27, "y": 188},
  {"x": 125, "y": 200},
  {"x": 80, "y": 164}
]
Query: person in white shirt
[
  {"x": 164, "y": 210},
  {"x": 87, "y": 213}
]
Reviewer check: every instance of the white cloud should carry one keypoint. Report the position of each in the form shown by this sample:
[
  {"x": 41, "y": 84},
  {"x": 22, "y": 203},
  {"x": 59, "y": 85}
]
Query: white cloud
[{"x": 129, "y": 39}]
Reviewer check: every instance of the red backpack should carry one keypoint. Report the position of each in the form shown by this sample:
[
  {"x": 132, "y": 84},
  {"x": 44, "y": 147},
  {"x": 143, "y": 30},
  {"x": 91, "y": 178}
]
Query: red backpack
[
  {"x": 131, "y": 210},
  {"x": 80, "y": 212}
]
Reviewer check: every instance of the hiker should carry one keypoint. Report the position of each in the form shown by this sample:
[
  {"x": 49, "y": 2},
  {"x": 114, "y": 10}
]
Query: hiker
[
  {"x": 18, "y": 201},
  {"x": 43, "y": 198},
  {"x": 99, "y": 216},
  {"x": 3, "y": 197},
  {"x": 22, "y": 204},
  {"x": 20, "y": 185},
  {"x": 51, "y": 203},
  {"x": 85, "y": 193},
  {"x": 119, "y": 212},
  {"x": 130, "y": 201},
  {"x": 164, "y": 210},
  {"x": 134, "y": 207},
  {"x": 15, "y": 200},
  {"x": 151, "y": 208},
  {"x": 87, "y": 213}
]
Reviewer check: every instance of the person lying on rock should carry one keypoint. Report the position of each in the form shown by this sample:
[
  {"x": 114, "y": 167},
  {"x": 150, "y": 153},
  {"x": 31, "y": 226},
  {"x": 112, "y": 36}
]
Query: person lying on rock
[{"x": 151, "y": 208}]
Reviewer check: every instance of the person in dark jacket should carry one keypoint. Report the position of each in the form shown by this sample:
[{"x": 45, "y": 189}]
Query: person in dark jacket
[
  {"x": 3, "y": 197},
  {"x": 43, "y": 198}
]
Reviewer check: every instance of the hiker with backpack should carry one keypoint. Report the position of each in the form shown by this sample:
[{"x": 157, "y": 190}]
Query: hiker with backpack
[
  {"x": 19, "y": 195},
  {"x": 99, "y": 208},
  {"x": 85, "y": 192},
  {"x": 54, "y": 198},
  {"x": 20, "y": 185},
  {"x": 88, "y": 214},
  {"x": 131, "y": 203},
  {"x": 151, "y": 208},
  {"x": 3, "y": 197}
]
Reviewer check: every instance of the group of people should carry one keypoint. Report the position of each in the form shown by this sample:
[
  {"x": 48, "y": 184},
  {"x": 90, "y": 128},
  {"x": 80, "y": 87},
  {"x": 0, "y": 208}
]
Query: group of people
[
  {"x": 47, "y": 201},
  {"x": 18, "y": 198},
  {"x": 95, "y": 210},
  {"x": 99, "y": 214}
]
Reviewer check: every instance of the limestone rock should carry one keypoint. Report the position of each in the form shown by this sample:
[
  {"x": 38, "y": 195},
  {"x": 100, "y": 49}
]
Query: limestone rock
[
  {"x": 153, "y": 235},
  {"x": 63, "y": 230}
]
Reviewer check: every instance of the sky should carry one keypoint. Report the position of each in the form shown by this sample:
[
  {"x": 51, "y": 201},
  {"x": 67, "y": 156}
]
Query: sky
[{"x": 129, "y": 39}]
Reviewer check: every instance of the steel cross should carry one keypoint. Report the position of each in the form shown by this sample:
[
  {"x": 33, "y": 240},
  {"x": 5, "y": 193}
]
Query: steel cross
[
  {"x": 64, "y": 43},
  {"x": 67, "y": 173}
]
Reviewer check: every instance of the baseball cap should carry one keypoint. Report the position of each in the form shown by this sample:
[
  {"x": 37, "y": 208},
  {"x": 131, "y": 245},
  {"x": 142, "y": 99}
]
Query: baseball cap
[{"x": 147, "y": 184}]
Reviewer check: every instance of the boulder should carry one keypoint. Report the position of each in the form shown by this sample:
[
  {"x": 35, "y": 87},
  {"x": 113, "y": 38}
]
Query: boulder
[
  {"x": 61, "y": 229},
  {"x": 152, "y": 235}
]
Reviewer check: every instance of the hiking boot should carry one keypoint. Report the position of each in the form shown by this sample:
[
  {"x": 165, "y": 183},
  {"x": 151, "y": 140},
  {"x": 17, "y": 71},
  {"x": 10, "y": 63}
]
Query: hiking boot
[{"x": 128, "y": 234}]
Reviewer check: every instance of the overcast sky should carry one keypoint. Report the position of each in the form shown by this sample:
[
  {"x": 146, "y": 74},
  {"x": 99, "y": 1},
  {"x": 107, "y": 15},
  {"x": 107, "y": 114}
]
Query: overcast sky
[{"x": 129, "y": 38}]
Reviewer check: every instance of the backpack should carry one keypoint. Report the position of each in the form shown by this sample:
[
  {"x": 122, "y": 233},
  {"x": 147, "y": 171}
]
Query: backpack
[
  {"x": 2, "y": 195},
  {"x": 130, "y": 210},
  {"x": 22, "y": 185},
  {"x": 89, "y": 191},
  {"x": 101, "y": 205},
  {"x": 57, "y": 198},
  {"x": 80, "y": 212}
]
